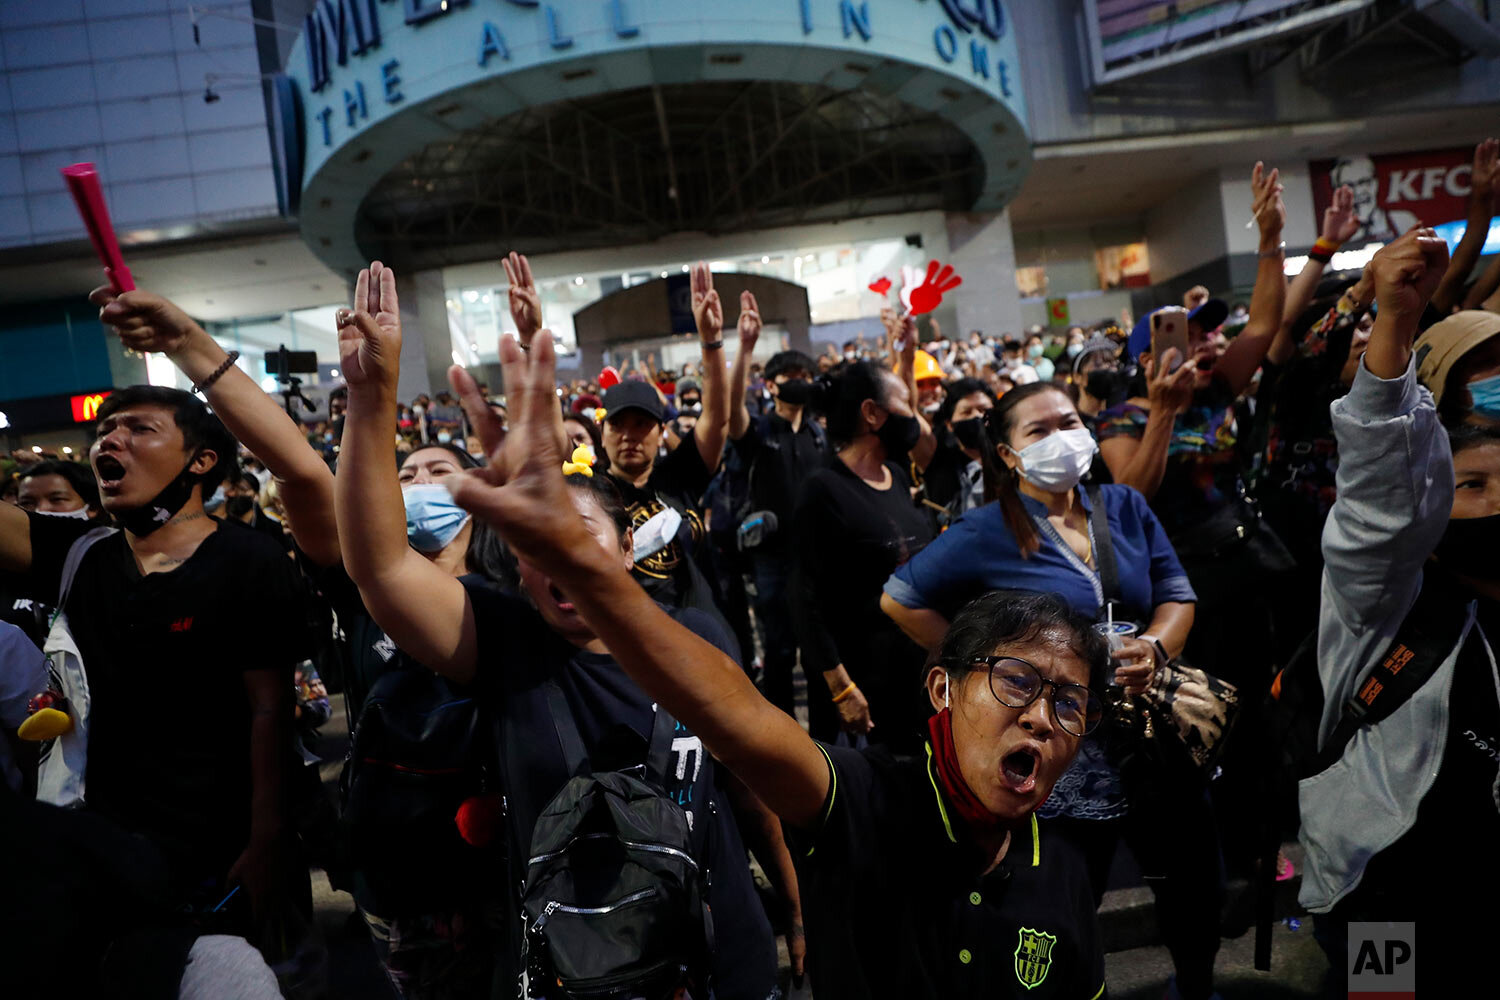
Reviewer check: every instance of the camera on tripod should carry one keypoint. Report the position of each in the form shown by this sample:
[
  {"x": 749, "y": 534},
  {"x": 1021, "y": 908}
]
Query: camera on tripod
[{"x": 285, "y": 366}]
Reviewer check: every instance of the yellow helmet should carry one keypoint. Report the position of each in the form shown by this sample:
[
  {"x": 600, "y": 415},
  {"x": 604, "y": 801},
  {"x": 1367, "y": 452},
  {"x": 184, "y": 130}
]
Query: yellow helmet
[{"x": 927, "y": 367}]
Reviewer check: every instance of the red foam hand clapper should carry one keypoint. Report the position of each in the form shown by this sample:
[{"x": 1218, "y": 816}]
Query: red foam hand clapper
[
  {"x": 608, "y": 377},
  {"x": 83, "y": 180},
  {"x": 929, "y": 294},
  {"x": 880, "y": 286}
]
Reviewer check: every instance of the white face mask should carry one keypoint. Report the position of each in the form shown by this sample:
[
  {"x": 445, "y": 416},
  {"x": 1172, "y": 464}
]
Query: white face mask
[
  {"x": 1058, "y": 462},
  {"x": 81, "y": 514}
]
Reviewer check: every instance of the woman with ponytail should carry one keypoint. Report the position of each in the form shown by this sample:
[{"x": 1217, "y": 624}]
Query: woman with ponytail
[
  {"x": 1037, "y": 533},
  {"x": 855, "y": 522}
]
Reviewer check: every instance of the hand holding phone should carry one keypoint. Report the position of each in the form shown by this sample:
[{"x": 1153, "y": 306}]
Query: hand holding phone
[{"x": 1169, "y": 328}]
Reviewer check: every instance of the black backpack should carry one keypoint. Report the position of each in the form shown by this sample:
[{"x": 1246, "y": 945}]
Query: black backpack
[
  {"x": 614, "y": 899},
  {"x": 418, "y": 751}
]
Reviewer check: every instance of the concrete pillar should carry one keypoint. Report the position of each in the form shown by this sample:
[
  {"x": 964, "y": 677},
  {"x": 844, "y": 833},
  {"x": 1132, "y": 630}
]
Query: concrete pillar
[
  {"x": 426, "y": 344},
  {"x": 981, "y": 249}
]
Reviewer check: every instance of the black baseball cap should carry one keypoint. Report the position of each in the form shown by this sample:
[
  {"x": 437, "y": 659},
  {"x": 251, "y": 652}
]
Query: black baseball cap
[{"x": 633, "y": 395}]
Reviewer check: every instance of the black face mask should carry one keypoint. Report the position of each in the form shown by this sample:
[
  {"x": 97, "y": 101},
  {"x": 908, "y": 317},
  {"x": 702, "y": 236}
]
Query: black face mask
[
  {"x": 899, "y": 434},
  {"x": 1108, "y": 384},
  {"x": 1468, "y": 547},
  {"x": 794, "y": 391},
  {"x": 238, "y": 507},
  {"x": 164, "y": 506},
  {"x": 970, "y": 433}
]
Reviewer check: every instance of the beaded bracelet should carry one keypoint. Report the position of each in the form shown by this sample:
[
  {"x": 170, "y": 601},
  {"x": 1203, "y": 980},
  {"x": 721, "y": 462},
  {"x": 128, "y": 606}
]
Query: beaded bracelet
[{"x": 207, "y": 383}]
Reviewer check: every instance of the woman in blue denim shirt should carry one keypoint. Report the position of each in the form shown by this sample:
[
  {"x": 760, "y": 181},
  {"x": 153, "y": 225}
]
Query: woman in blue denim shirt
[{"x": 1035, "y": 534}]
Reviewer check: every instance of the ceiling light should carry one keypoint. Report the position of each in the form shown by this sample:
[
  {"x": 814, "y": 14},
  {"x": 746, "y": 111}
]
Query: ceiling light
[
  {"x": 67, "y": 450},
  {"x": 578, "y": 280},
  {"x": 37, "y": 448},
  {"x": 765, "y": 260},
  {"x": 333, "y": 373},
  {"x": 471, "y": 296}
]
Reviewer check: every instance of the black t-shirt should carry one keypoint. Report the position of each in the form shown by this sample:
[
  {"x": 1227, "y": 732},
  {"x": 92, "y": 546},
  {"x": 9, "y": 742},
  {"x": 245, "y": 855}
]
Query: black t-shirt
[
  {"x": 29, "y": 614},
  {"x": 780, "y": 459},
  {"x": 264, "y": 524},
  {"x": 679, "y": 574},
  {"x": 943, "y": 477},
  {"x": 1458, "y": 817},
  {"x": 166, "y": 656},
  {"x": 848, "y": 539},
  {"x": 518, "y": 657},
  {"x": 1298, "y": 454},
  {"x": 368, "y": 653},
  {"x": 897, "y": 905}
]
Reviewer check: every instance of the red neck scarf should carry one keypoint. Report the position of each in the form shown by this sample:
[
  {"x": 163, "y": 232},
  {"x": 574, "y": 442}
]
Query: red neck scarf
[{"x": 977, "y": 819}]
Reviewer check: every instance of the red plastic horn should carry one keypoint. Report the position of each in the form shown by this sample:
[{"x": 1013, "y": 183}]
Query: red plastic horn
[
  {"x": 83, "y": 181},
  {"x": 608, "y": 377}
]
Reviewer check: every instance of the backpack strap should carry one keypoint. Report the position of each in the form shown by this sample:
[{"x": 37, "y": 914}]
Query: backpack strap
[
  {"x": 76, "y": 552},
  {"x": 1104, "y": 546},
  {"x": 658, "y": 752},
  {"x": 1422, "y": 643},
  {"x": 574, "y": 755}
]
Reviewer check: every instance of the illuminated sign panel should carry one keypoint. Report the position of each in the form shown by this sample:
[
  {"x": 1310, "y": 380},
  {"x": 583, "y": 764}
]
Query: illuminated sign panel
[
  {"x": 86, "y": 407},
  {"x": 51, "y": 413}
]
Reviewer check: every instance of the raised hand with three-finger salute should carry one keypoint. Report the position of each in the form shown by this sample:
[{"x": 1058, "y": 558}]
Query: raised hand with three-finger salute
[
  {"x": 1340, "y": 221},
  {"x": 708, "y": 311},
  {"x": 525, "y": 301},
  {"x": 750, "y": 322},
  {"x": 370, "y": 333},
  {"x": 520, "y": 491},
  {"x": 1268, "y": 208}
]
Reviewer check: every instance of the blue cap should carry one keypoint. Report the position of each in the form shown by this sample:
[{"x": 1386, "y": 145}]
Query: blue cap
[{"x": 1209, "y": 316}]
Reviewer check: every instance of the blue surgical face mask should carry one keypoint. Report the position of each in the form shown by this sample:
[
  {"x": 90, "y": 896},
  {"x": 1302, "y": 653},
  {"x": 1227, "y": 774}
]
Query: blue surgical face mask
[
  {"x": 1486, "y": 396},
  {"x": 432, "y": 518}
]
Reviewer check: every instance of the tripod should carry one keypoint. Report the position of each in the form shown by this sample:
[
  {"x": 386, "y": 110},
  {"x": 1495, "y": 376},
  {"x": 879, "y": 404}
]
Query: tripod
[{"x": 292, "y": 390}]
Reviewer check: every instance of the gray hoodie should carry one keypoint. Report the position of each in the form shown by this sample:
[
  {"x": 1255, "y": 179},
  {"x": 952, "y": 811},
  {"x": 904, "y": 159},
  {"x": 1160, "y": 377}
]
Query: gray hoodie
[{"x": 1395, "y": 494}]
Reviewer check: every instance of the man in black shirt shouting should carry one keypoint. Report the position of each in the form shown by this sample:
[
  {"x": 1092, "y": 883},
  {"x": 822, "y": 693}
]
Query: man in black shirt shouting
[{"x": 187, "y": 715}]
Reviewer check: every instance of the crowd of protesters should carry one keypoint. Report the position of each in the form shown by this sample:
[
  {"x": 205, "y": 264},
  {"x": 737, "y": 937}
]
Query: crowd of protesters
[{"x": 575, "y": 629}]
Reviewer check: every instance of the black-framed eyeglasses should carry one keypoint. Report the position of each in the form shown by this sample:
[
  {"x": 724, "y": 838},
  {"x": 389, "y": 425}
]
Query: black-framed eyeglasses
[{"x": 1017, "y": 683}]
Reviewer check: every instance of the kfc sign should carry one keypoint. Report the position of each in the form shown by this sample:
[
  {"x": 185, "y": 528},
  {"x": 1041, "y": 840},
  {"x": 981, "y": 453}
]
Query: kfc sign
[
  {"x": 1393, "y": 193},
  {"x": 86, "y": 407}
]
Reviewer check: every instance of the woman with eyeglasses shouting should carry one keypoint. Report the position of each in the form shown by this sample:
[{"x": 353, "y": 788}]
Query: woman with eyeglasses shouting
[
  {"x": 1046, "y": 532},
  {"x": 925, "y": 875}
]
